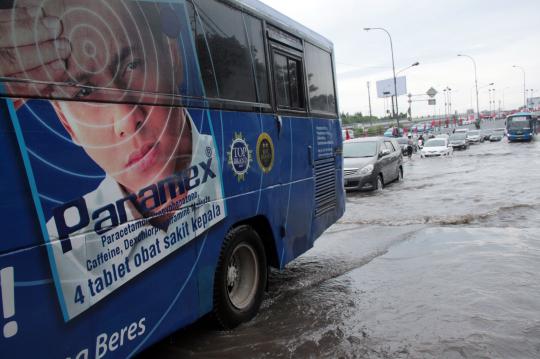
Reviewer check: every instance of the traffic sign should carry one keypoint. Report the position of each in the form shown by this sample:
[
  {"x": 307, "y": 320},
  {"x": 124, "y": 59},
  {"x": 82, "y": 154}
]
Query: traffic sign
[
  {"x": 431, "y": 92},
  {"x": 432, "y": 102}
]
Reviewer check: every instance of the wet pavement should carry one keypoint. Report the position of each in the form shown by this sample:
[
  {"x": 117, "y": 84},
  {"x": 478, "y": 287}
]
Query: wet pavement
[{"x": 443, "y": 265}]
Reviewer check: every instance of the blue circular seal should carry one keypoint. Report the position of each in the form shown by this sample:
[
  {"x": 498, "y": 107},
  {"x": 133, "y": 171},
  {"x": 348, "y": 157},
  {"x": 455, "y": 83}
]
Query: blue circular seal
[{"x": 240, "y": 157}]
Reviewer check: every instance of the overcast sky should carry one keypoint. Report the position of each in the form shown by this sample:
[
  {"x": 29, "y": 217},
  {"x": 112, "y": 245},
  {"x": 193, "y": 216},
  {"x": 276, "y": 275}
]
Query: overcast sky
[{"x": 497, "y": 33}]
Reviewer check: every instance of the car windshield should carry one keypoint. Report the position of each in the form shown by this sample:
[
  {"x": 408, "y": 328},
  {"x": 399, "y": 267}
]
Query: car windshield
[
  {"x": 402, "y": 141},
  {"x": 516, "y": 123},
  {"x": 359, "y": 149},
  {"x": 458, "y": 137},
  {"x": 474, "y": 133},
  {"x": 499, "y": 131},
  {"x": 435, "y": 143}
]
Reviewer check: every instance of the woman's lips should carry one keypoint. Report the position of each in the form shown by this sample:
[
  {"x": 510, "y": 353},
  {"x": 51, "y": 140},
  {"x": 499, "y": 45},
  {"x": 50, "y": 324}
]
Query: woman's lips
[{"x": 143, "y": 158}]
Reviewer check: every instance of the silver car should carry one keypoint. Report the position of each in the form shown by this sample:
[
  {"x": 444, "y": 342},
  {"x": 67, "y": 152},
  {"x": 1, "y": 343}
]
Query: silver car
[
  {"x": 475, "y": 136},
  {"x": 371, "y": 163}
]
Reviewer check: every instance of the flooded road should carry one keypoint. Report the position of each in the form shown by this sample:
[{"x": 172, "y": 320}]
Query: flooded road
[{"x": 445, "y": 264}]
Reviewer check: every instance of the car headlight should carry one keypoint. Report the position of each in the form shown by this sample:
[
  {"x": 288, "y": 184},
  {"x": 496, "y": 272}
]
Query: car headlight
[{"x": 366, "y": 170}]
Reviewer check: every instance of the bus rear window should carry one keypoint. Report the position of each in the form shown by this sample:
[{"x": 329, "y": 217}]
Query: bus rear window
[{"x": 322, "y": 96}]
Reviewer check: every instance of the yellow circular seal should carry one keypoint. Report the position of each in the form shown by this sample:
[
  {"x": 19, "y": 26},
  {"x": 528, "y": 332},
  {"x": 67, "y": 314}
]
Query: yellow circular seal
[{"x": 265, "y": 152}]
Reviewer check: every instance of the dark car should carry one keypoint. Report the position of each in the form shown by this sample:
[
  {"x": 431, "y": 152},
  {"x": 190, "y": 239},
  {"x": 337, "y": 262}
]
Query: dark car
[
  {"x": 459, "y": 140},
  {"x": 371, "y": 163}
]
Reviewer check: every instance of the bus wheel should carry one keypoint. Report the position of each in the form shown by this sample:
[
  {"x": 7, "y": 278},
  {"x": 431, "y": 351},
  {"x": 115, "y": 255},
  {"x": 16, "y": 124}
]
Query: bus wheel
[{"x": 240, "y": 278}]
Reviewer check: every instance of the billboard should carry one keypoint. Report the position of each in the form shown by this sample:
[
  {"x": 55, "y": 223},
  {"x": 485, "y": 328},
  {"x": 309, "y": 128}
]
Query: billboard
[{"x": 385, "y": 88}]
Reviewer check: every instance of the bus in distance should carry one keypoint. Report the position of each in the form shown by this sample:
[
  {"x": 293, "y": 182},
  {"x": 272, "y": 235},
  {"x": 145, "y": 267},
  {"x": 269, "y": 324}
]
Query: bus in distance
[
  {"x": 158, "y": 157},
  {"x": 521, "y": 127}
]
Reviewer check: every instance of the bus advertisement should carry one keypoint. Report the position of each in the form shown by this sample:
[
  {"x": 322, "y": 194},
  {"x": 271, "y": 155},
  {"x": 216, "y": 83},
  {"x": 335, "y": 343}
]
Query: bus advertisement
[
  {"x": 521, "y": 127},
  {"x": 157, "y": 157}
]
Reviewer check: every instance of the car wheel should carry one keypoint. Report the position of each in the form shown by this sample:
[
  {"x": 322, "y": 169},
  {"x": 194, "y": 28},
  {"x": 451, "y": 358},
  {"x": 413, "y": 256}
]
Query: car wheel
[
  {"x": 380, "y": 183},
  {"x": 240, "y": 277}
]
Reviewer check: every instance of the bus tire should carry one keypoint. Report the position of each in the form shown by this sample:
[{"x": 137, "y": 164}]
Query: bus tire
[{"x": 240, "y": 278}]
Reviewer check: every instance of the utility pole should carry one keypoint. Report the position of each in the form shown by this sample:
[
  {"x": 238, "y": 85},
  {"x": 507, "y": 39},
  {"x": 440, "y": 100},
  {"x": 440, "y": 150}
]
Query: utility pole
[
  {"x": 410, "y": 106},
  {"x": 369, "y": 101},
  {"x": 475, "y": 84}
]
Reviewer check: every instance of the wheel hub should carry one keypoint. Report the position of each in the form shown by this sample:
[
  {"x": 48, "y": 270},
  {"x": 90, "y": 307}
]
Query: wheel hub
[
  {"x": 242, "y": 276},
  {"x": 232, "y": 275}
]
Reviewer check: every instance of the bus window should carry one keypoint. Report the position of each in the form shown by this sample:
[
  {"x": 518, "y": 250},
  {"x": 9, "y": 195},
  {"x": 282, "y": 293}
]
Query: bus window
[
  {"x": 256, "y": 42},
  {"x": 288, "y": 81},
  {"x": 322, "y": 96},
  {"x": 223, "y": 48}
]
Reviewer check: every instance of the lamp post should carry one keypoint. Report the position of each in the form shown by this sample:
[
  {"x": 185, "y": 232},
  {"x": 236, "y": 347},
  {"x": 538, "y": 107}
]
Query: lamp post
[
  {"x": 524, "y": 89},
  {"x": 445, "y": 103},
  {"x": 408, "y": 67},
  {"x": 489, "y": 94},
  {"x": 475, "y": 82},
  {"x": 393, "y": 67},
  {"x": 410, "y": 101},
  {"x": 449, "y": 101}
]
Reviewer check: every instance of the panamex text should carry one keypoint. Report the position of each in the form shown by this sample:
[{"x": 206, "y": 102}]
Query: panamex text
[{"x": 148, "y": 198}]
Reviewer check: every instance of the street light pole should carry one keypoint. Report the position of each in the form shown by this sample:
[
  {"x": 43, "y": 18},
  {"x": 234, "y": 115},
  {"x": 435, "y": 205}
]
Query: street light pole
[
  {"x": 450, "y": 101},
  {"x": 445, "y": 104},
  {"x": 393, "y": 68},
  {"x": 489, "y": 96},
  {"x": 369, "y": 101},
  {"x": 524, "y": 89},
  {"x": 475, "y": 83}
]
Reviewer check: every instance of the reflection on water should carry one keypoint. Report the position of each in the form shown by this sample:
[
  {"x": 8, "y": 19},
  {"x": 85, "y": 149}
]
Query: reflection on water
[
  {"x": 454, "y": 292},
  {"x": 444, "y": 264}
]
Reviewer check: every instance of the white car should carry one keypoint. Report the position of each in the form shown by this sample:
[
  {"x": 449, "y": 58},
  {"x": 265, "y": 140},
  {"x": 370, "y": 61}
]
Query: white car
[
  {"x": 443, "y": 135},
  {"x": 437, "y": 147},
  {"x": 475, "y": 136}
]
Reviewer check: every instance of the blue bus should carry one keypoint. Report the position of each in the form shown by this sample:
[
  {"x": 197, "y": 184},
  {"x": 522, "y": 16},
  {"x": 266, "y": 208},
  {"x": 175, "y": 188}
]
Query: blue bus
[
  {"x": 521, "y": 127},
  {"x": 157, "y": 158}
]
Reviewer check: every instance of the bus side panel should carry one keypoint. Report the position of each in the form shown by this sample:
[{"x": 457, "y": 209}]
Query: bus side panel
[
  {"x": 257, "y": 192},
  {"x": 178, "y": 290},
  {"x": 296, "y": 142},
  {"x": 329, "y": 144}
]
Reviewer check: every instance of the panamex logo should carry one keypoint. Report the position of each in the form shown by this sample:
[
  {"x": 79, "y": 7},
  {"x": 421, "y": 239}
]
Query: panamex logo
[
  {"x": 240, "y": 156},
  {"x": 74, "y": 216}
]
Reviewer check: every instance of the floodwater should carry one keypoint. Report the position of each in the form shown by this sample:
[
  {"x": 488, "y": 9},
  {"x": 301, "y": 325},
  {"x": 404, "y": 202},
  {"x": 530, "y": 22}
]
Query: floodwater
[{"x": 443, "y": 265}]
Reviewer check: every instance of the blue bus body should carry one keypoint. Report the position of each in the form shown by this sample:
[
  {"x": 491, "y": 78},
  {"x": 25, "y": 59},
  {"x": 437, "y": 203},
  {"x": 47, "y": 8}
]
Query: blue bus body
[
  {"x": 88, "y": 275},
  {"x": 521, "y": 127}
]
